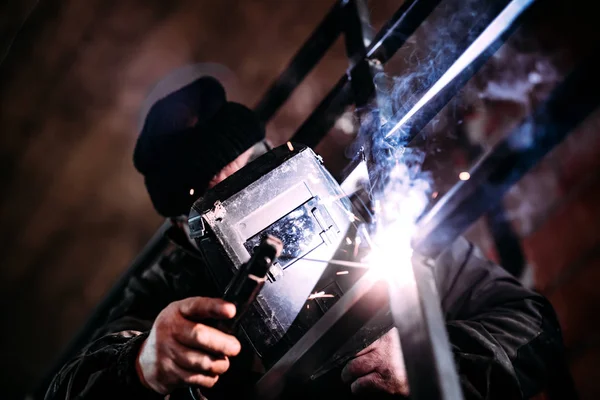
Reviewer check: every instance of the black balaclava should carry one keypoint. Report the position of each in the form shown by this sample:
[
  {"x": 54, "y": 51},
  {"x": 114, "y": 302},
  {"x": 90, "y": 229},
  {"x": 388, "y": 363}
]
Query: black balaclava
[{"x": 187, "y": 138}]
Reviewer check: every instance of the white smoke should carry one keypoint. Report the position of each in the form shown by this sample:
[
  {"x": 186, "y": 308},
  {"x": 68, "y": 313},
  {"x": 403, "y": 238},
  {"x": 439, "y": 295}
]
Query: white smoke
[{"x": 404, "y": 190}]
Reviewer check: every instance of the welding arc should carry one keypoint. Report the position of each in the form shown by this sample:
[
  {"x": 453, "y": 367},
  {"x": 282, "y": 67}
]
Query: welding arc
[{"x": 500, "y": 25}]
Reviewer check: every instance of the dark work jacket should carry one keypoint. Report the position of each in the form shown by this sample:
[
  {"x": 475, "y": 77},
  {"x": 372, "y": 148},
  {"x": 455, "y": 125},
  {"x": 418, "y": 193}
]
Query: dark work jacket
[{"x": 506, "y": 339}]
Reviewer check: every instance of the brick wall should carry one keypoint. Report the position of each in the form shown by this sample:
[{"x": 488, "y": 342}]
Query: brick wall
[{"x": 564, "y": 252}]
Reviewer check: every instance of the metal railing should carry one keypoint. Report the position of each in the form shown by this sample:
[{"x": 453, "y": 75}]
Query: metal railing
[{"x": 490, "y": 178}]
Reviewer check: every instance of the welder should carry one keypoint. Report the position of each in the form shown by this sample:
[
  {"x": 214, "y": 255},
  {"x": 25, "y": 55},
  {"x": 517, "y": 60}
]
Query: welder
[{"x": 505, "y": 339}]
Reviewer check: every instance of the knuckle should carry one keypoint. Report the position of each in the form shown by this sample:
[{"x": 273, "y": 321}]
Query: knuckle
[
  {"x": 204, "y": 363},
  {"x": 200, "y": 334},
  {"x": 162, "y": 374},
  {"x": 170, "y": 372}
]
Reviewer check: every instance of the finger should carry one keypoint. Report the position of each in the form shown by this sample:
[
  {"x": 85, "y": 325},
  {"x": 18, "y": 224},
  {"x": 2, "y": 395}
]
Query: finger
[
  {"x": 184, "y": 376},
  {"x": 201, "y": 308},
  {"x": 206, "y": 338},
  {"x": 198, "y": 361},
  {"x": 369, "y": 383},
  {"x": 388, "y": 338},
  {"x": 358, "y": 367},
  {"x": 368, "y": 349},
  {"x": 202, "y": 380}
]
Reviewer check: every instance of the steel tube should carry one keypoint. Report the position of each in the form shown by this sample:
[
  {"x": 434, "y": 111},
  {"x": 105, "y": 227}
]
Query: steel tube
[
  {"x": 501, "y": 167},
  {"x": 417, "y": 313},
  {"x": 303, "y": 62},
  {"x": 389, "y": 39},
  {"x": 335, "y": 328}
]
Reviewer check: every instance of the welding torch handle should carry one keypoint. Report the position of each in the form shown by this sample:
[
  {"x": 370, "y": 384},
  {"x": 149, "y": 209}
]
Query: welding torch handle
[
  {"x": 249, "y": 280},
  {"x": 248, "y": 293}
]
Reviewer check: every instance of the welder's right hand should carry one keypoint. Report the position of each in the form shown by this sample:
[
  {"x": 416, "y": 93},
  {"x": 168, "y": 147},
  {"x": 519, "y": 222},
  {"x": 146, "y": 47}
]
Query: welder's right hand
[{"x": 181, "y": 351}]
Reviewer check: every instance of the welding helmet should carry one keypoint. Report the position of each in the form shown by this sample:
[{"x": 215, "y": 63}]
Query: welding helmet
[{"x": 289, "y": 194}]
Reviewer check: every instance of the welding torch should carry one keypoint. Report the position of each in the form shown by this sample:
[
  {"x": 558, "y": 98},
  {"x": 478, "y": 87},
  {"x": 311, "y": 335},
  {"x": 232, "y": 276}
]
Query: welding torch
[
  {"x": 249, "y": 280},
  {"x": 244, "y": 287}
]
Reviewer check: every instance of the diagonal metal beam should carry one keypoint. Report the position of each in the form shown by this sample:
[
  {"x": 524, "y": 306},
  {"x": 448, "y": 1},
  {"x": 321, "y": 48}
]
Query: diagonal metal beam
[
  {"x": 460, "y": 71},
  {"x": 303, "y": 62},
  {"x": 501, "y": 167},
  {"x": 390, "y": 38},
  {"x": 415, "y": 306},
  {"x": 342, "y": 321}
]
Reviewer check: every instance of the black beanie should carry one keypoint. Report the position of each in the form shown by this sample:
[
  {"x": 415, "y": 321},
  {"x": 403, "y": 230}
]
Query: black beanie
[{"x": 187, "y": 138}]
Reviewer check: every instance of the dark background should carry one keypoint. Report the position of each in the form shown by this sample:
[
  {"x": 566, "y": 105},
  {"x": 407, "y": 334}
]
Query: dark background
[{"x": 74, "y": 212}]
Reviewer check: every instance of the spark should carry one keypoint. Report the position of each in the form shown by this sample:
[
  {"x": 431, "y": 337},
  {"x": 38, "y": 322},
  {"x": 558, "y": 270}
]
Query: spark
[
  {"x": 464, "y": 176},
  {"x": 289, "y": 145},
  {"x": 320, "y": 295},
  {"x": 348, "y": 241},
  {"x": 342, "y": 273},
  {"x": 351, "y": 215},
  {"x": 191, "y": 192},
  {"x": 435, "y": 195}
]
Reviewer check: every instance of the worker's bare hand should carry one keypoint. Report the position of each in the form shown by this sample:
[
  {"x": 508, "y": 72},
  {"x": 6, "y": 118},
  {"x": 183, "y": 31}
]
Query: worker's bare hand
[
  {"x": 378, "y": 369},
  {"x": 181, "y": 351}
]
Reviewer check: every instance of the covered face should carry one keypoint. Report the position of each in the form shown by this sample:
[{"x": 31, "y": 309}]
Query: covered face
[{"x": 188, "y": 136}]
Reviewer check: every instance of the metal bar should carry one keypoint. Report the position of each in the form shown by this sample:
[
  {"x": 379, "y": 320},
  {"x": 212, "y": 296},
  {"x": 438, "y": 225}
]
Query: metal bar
[
  {"x": 416, "y": 308},
  {"x": 389, "y": 39},
  {"x": 358, "y": 35},
  {"x": 492, "y": 29},
  {"x": 399, "y": 28},
  {"x": 506, "y": 240},
  {"x": 416, "y": 327},
  {"x": 358, "y": 32},
  {"x": 303, "y": 62},
  {"x": 322, "y": 119},
  {"x": 568, "y": 104},
  {"x": 460, "y": 71},
  {"x": 415, "y": 305},
  {"x": 338, "y": 325}
]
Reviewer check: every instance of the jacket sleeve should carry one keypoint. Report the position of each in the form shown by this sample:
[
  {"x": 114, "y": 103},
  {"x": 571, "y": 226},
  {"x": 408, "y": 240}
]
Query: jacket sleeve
[
  {"x": 506, "y": 339},
  {"x": 105, "y": 369}
]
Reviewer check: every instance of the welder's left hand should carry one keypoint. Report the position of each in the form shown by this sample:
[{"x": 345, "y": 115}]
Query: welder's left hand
[{"x": 379, "y": 368}]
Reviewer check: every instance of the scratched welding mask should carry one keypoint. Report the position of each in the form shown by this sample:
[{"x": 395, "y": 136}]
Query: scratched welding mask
[{"x": 289, "y": 194}]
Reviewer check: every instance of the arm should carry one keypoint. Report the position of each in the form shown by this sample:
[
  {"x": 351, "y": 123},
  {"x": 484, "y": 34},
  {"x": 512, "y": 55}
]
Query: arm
[
  {"x": 506, "y": 339},
  {"x": 108, "y": 362},
  {"x": 106, "y": 368}
]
